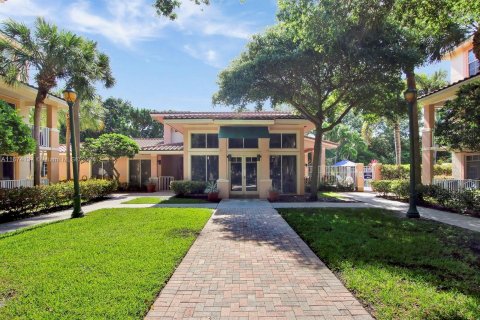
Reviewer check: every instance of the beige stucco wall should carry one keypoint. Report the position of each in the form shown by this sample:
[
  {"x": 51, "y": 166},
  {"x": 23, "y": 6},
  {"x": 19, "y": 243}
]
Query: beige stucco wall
[
  {"x": 23, "y": 98},
  {"x": 264, "y": 182}
]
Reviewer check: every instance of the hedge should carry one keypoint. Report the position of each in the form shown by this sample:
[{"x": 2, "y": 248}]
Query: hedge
[
  {"x": 394, "y": 172},
  {"x": 186, "y": 187},
  {"x": 462, "y": 201},
  {"x": 20, "y": 202}
]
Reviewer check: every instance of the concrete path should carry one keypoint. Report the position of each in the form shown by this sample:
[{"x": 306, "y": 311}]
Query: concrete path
[
  {"x": 248, "y": 263},
  {"x": 466, "y": 222}
]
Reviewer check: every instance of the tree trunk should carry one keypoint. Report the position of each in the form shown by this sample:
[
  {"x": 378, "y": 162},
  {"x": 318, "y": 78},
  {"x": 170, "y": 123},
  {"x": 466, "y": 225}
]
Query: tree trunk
[
  {"x": 411, "y": 84},
  {"x": 115, "y": 172},
  {"x": 76, "y": 120},
  {"x": 37, "y": 116},
  {"x": 67, "y": 147},
  {"x": 398, "y": 142},
  {"x": 317, "y": 160}
]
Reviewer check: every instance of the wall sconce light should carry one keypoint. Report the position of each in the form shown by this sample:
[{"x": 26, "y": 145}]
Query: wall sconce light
[
  {"x": 229, "y": 157},
  {"x": 259, "y": 157}
]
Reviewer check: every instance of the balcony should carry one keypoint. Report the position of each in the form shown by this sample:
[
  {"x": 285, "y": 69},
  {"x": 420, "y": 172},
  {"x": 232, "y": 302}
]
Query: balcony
[{"x": 44, "y": 137}]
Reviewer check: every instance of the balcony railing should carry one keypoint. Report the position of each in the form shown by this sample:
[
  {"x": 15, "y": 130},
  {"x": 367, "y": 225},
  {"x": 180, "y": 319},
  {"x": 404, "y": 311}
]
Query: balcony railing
[
  {"x": 457, "y": 184},
  {"x": 44, "y": 137},
  {"x": 12, "y": 184}
]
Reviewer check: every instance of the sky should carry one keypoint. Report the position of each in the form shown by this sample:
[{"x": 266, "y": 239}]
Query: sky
[{"x": 159, "y": 64}]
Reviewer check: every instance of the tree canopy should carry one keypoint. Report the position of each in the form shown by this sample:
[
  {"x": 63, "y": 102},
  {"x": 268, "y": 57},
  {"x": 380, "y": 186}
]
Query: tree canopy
[
  {"x": 16, "y": 135},
  {"x": 109, "y": 146},
  {"x": 458, "y": 127},
  {"x": 323, "y": 79}
]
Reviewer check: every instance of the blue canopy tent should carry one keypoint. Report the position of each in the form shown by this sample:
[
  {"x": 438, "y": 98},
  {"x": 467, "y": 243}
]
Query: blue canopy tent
[{"x": 344, "y": 163}]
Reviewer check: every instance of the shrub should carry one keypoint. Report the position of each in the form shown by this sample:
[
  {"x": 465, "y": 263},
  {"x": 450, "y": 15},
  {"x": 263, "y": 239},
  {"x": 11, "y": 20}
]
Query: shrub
[
  {"x": 383, "y": 187},
  {"x": 185, "y": 187},
  {"x": 401, "y": 188},
  {"x": 444, "y": 169},
  {"x": 19, "y": 202},
  {"x": 394, "y": 172}
]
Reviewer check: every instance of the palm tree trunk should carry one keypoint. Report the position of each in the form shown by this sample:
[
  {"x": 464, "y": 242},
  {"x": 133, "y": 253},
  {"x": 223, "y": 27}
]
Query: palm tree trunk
[
  {"x": 67, "y": 145},
  {"x": 398, "y": 142},
  {"x": 37, "y": 163},
  {"x": 411, "y": 84}
]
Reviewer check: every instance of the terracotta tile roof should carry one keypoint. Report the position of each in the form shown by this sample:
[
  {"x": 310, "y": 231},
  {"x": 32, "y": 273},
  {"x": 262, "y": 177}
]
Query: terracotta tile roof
[
  {"x": 148, "y": 142},
  {"x": 474, "y": 77},
  {"x": 145, "y": 144},
  {"x": 165, "y": 147},
  {"x": 261, "y": 115}
]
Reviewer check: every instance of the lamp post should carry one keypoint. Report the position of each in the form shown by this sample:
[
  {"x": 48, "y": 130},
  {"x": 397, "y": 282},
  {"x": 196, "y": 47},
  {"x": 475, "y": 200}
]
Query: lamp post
[
  {"x": 411, "y": 97},
  {"x": 70, "y": 96}
]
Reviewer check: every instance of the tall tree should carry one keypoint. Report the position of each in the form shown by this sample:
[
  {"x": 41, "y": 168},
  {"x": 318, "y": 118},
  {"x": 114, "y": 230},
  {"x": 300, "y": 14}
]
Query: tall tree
[
  {"x": 16, "y": 135},
  {"x": 50, "y": 51},
  {"x": 458, "y": 127},
  {"x": 322, "y": 82},
  {"x": 91, "y": 67},
  {"x": 121, "y": 117}
]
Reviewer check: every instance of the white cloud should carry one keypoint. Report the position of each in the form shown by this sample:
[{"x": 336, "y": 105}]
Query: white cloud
[
  {"x": 129, "y": 21},
  {"x": 210, "y": 21},
  {"x": 23, "y": 8},
  {"x": 203, "y": 53}
]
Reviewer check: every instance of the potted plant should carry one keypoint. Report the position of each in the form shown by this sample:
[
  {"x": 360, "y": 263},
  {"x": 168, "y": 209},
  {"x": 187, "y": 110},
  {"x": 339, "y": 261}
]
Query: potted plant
[
  {"x": 212, "y": 191},
  {"x": 151, "y": 185},
  {"x": 273, "y": 194}
]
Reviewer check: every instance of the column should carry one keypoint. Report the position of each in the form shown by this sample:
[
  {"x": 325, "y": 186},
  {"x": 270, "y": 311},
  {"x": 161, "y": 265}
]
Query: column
[
  {"x": 359, "y": 167},
  {"x": 52, "y": 153},
  {"x": 223, "y": 183},
  {"x": 301, "y": 163},
  {"x": 427, "y": 144}
]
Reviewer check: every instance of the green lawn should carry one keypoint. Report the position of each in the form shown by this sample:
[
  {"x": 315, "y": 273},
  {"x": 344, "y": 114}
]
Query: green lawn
[
  {"x": 164, "y": 200},
  {"x": 330, "y": 194},
  {"x": 403, "y": 269},
  {"x": 109, "y": 265}
]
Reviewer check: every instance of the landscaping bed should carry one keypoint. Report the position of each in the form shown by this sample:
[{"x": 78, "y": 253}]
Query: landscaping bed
[
  {"x": 110, "y": 264},
  {"x": 399, "y": 268},
  {"x": 25, "y": 202},
  {"x": 167, "y": 200}
]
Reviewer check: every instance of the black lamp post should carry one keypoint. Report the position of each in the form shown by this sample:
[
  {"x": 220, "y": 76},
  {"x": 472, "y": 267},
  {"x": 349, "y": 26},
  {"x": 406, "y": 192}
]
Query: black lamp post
[
  {"x": 411, "y": 97},
  {"x": 71, "y": 96}
]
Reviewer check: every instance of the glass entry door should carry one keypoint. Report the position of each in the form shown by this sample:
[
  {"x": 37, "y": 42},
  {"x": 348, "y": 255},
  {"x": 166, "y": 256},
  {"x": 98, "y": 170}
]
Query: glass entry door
[{"x": 243, "y": 175}]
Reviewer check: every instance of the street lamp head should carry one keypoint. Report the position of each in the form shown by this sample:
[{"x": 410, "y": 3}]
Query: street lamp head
[
  {"x": 70, "y": 95},
  {"x": 410, "y": 95}
]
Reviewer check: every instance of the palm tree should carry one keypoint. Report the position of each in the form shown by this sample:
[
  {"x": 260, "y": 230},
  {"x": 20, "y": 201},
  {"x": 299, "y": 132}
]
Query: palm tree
[
  {"x": 49, "y": 51},
  {"x": 94, "y": 66},
  {"x": 91, "y": 114}
]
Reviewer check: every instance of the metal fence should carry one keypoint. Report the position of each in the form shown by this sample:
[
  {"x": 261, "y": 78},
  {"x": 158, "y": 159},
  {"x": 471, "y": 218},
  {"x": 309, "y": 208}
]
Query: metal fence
[
  {"x": 12, "y": 184},
  {"x": 335, "y": 176},
  {"x": 457, "y": 184}
]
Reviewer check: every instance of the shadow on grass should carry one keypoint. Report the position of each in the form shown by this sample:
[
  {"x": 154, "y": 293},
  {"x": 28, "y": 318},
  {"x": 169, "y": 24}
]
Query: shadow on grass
[{"x": 403, "y": 268}]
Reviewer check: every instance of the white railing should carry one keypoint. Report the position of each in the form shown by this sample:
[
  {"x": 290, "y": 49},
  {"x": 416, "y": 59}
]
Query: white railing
[
  {"x": 12, "y": 184},
  {"x": 164, "y": 183},
  {"x": 44, "y": 136},
  {"x": 341, "y": 175},
  {"x": 457, "y": 184}
]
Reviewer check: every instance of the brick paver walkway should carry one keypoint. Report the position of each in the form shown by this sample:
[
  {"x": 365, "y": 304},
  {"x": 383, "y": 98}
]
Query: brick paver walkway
[{"x": 249, "y": 264}]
